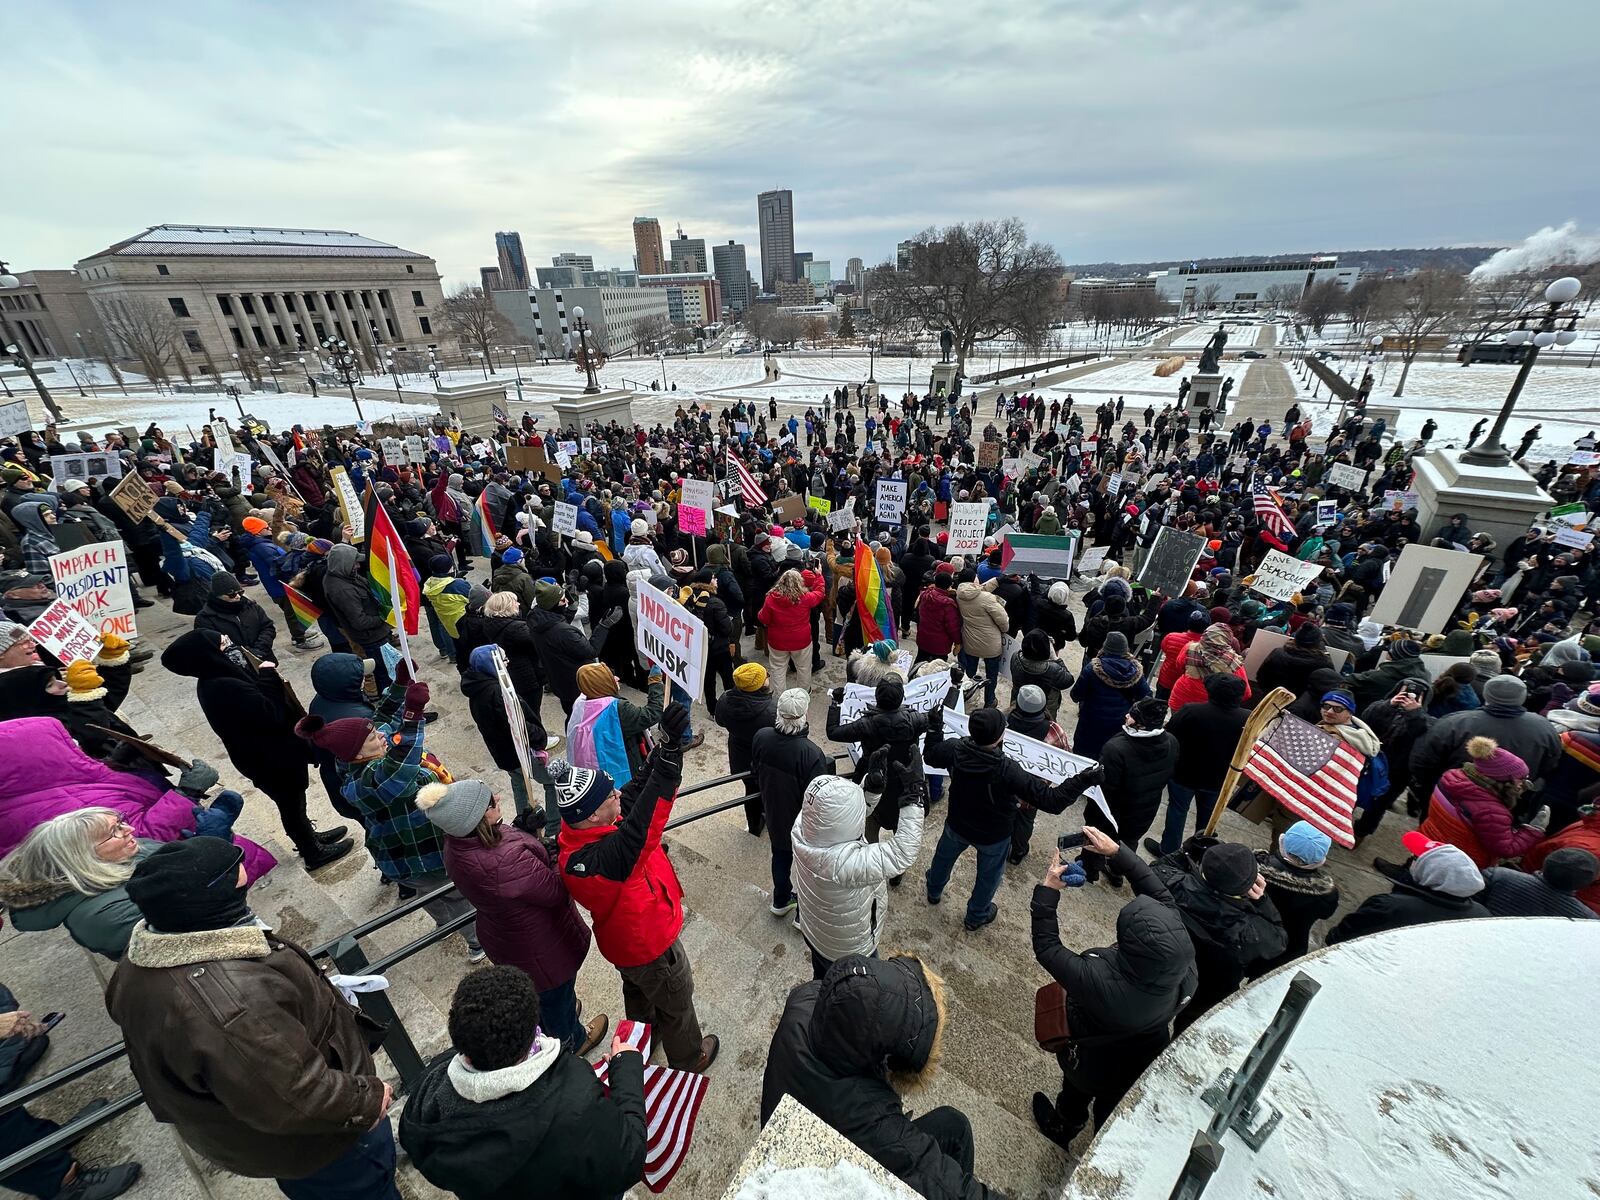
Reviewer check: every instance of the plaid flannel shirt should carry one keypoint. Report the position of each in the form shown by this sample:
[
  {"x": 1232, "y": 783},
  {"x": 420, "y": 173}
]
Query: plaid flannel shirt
[{"x": 401, "y": 840}]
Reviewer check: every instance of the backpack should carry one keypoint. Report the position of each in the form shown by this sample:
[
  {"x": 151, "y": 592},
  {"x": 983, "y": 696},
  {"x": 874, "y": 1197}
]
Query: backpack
[
  {"x": 312, "y": 585},
  {"x": 1374, "y": 781}
]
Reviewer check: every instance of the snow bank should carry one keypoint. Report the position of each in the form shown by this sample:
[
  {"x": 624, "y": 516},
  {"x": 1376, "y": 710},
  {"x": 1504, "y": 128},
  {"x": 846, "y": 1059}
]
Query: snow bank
[{"x": 844, "y": 1181}]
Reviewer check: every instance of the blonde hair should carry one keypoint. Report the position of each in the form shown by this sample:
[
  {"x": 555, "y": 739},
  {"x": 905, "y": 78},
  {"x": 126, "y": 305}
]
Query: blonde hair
[
  {"x": 790, "y": 586},
  {"x": 502, "y": 604},
  {"x": 62, "y": 851}
]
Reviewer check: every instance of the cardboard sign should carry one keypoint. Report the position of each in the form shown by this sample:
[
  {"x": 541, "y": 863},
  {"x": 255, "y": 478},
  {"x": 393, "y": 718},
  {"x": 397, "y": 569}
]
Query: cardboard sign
[
  {"x": 393, "y": 451},
  {"x": 525, "y": 458},
  {"x": 416, "y": 452},
  {"x": 1281, "y": 575},
  {"x": 818, "y": 504},
  {"x": 698, "y": 493},
  {"x": 86, "y": 467},
  {"x": 564, "y": 460},
  {"x": 922, "y": 696},
  {"x": 789, "y": 508},
  {"x": 1576, "y": 538},
  {"x": 1114, "y": 484},
  {"x": 93, "y": 580},
  {"x": 65, "y": 634},
  {"x": 349, "y": 503},
  {"x": 565, "y": 520},
  {"x": 14, "y": 418},
  {"x": 1572, "y": 514},
  {"x": 670, "y": 636},
  {"x": 1583, "y": 458},
  {"x": 1399, "y": 501},
  {"x": 1425, "y": 587},
  {"x": 1170, "y": 563},
  {"x": 586, "y": 445},
  {"x": 967, "y": 522},
  {"x": 989, "y": 454},
  {"x": 134, "y": 497},
  {"x": 891, "y": 501},
  {"x": 1262, "y": 643},
  {"x": 1039, "y": 759},
  {"x": 844, "y": 518},
  {"x": 515, "y": 719},
  {"x": 1343, "y": 475},
  {"x": 692, "y": 520}
]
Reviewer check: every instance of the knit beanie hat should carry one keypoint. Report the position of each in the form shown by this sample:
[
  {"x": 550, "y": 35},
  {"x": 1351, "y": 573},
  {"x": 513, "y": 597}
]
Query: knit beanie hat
[
  {"x": 547, "y": 595},
  {"x": 477, "y": 596},
  {"x": 11, "y": 633},
  {"x": 596, "y": 680},
  {"x": 511, "y": 557},
  {"x": 579, "y": 790},
  {"x": 793, "y": 706},
  {"x": 1486, "y": 662},
  {"x": 1505, "y": 689},
  {"x": 439, "y": 564},
  {"x": 1229, "y": 868},
  {"x": 1441, "y": 867},
  {"x": 1198, "y": 620},
  {"x": 638, "y": 528},
  {"x": 1404, "y": 648},
  {"x": 190, "y": 885},
  {"x": 749, "y": 677},
  {"x": 890, "y": 694},
  {"x": 482, "y": 660},
  {"x": 293, "y": 539},
  {"x": 986, "y": 726},
  {"x": 456, "y": 808},
  {"x": 1493, "y": 761},
  {"x": 1115, "y": 645},
  {"x": 84, "y": 682},
  {"x": 1030, "y": 699},
  {"x": 1304, "y": 845},
  {"x": 1116, "y": 587},
  {"x": 224, "y": 583},
  {"x": 318, "y": 546},
  {"x": 1570, "y": 869},
  {"x": 884, "y": 648},
  {"x": 254, "y": 525},
  {"x": 1225, "y": 690},
  {"x": 1308, "y": 636},
  {"x": 342, "y": 738}
]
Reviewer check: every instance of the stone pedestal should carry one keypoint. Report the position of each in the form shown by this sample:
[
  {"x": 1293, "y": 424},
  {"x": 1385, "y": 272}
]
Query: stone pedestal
[
  {"x": 1501, "y": 501},
  {"x": 580, "y": 411},
  {"x": 472, "y": 405},
  {"x": 942, "y": 379},
  {"x": 1205, "y": 391}
]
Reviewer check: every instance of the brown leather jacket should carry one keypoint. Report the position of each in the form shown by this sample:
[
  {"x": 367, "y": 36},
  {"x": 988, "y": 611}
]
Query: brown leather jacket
[{"x": 239, "y": 1042}]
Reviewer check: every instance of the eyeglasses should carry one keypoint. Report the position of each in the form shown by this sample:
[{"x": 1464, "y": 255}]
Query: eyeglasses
[
  {"x": 1332, "y": 707},
  {"x": 119, "y": 830}
]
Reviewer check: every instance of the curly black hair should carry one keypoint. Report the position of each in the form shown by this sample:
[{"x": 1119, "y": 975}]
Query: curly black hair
[{"x": 493, "y": 1017}]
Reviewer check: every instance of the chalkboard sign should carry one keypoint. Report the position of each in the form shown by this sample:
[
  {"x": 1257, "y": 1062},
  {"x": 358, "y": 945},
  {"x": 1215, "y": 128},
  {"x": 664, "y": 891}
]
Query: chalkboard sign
[{"x": 1171, "y": 560}]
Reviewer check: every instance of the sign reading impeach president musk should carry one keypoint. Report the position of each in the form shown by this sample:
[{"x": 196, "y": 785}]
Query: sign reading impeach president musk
[{"x": 668, "y": 634}]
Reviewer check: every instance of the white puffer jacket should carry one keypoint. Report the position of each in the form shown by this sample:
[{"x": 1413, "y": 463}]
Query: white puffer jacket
[{"x": 840, "y": 879}]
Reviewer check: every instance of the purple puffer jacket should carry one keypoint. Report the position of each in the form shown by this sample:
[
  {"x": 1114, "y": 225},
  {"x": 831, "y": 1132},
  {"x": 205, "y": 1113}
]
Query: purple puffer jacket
[
  {"x": 525, "y": 917},
  {"x": 43, "y": 774}
]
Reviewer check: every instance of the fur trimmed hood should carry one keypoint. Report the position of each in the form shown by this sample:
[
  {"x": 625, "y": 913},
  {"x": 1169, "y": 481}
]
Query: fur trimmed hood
[
  {"x": 157, "y": 951},
  {"x": 31, "y": 893},
  {"x": 881, "y": 1017}
]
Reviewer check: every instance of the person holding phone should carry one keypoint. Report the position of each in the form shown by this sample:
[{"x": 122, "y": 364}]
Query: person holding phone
[{"x": 1120, "y": 998}]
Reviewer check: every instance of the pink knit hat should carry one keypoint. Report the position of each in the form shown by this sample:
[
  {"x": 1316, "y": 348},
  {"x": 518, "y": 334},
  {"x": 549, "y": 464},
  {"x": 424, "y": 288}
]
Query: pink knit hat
[{"x": 1493, "y": 761}]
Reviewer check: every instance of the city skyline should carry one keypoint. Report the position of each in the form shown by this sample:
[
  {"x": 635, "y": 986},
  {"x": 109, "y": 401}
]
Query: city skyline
[{"x": 1098, "y": 133}]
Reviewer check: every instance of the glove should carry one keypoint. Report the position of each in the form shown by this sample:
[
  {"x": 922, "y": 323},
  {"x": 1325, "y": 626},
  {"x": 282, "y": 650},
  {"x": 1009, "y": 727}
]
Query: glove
[
  {"x": 956, "y": 674},
  {"x": 837, "y": 695},
  {"x": 416, "y": 700},
  {"x": 112, "y": 645},
  {"x": 611, "y": 618},
  {"x": 1074, "y": 875},
  {"x": 402, "y": 673},
  {"x": 673, "y": 722},
  {"x": 913, "y": 786},
  {"x": 198, "y": 778}
]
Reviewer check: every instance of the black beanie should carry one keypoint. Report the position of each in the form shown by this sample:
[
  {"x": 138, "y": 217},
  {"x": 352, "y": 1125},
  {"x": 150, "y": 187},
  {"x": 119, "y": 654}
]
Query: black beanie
[
  {"x": 1229, "y": 868},
  {"x": 889, "y": 694},
  {"x": 1570, "y": 869},
  {"x": 986, "y": 726},
  {"x": 225, "y": 583},
  {"x": 190, "y": 885}
]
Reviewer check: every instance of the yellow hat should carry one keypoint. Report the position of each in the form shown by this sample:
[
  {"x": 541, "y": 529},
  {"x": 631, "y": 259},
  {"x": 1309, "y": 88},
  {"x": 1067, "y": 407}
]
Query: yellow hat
[
  {"x": 83, "y": 679},
  {"x": 751, "y": 677}
]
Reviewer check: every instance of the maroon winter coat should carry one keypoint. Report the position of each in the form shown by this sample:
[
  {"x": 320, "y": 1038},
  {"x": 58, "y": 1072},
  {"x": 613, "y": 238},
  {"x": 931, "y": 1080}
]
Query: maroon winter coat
[
  {"x": 525, "y": 917},
  {"x": 938, "y": 622}
]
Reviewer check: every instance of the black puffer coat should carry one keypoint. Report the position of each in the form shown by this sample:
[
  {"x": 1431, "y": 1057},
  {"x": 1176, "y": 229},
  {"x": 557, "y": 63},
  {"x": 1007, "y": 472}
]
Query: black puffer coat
[
  {"x": 1137, "y": 770},
  {"x": 785, "y": 763},
  {"x": 563, "y": 649},
  {"x": 513, "y": 635},
  {"x": 1290, "y": 667},
  {"x": 836, "y": 1045},
  {"x": 744, "y": 714},
  {"x": 1303, "y": 896},
  {"x": 246, "y": 624},
  {"x": 1407, "y": 904},
  {"x": 985, "y": 787},
  {"x": 901, "y": 731}
]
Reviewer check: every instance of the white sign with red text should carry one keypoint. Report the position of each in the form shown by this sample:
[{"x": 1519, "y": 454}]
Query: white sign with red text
[
  {"x": 93, "y": 580},
  {"x": 669, "y": 635}
]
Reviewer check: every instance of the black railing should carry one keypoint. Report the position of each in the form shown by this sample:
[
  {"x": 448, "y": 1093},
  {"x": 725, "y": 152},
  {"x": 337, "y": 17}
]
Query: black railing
[{"x": 351, "y": 959}]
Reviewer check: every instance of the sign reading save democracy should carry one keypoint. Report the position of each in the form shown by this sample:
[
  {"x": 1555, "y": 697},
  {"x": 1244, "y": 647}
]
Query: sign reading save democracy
[{"x": 672, "y": 637}]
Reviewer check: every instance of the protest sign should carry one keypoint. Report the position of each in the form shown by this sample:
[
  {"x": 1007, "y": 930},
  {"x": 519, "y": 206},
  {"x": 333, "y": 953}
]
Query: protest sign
[
  {"x": 565, "y": 520},
  {"x": 525, "y": 458},
  {"x": 416, "y": 452},
  {"x": 1345, "y": 476},
  {"x": 134, "y": 497},
  {"x": 564, "y": 460},
  {"x": 393, "y": 451},
  {"x": 1262, "y": 643},
  {"x": 1166, "y": 569},
  {"x": 692, "y": 520},
  {"x": 1583, "y": 458},
  {"x": 239, "y": 471},
  {"x": 1327, "y": 512},
  {"x": 1089, "y": 562},
  {"x": 989, "y": 454},
  {"x": 741, "y": 427},
  {"x": 1114, "y": 484},
  {"x": 586, "y": 445},
  {"x": 1281, "y": 575},
  {"x": 1039, "y": 759},
  {"x": 819, "y": 504},
  {"x": 83, "y": 466},
  {"x": 1399, "y": 501},
  {"x": 515, "y": 719},
  {"x": 1424, "y": 588},
  {"x": 567, "y": 448},
  {"x": 789, "y": 508},
  {"x": 844, "y": 518},
  {"x": 65, "y": 634},
  {"x": 1011, "y": 467},
  {"x": 1572, "y": 514},
  {"x": 891, "y": 505},
  {"x": 349, "y": 503},
  {"x": 922, "y": 696},
  {"x": 14, "y": 418},
  {"x": 93, "y": 580},
  {"x": 967, "y": 521},
  {"x": 1045, "y": 555},
  {"x": 699, "y": 498},
  {"x": 1576, "y": 538},
  {"x": 672, "y": 637}
]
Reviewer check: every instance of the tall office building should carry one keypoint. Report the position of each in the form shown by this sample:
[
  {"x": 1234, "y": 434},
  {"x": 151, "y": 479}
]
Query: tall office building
[
  {"x": 688, "y": 254},
  {"x": 855, "y": 275},
  {"x": 513, "y": 262},
  {"x": 902, "y": 256},
  {"x": 580, "y": 262},
  {"x": 820, "y": 274},
  {"x": 775, "y": 221},
  {"x": 489, "y": 277},
  {"x": 647, "y": 258},
  {"x": 801, "y": 261},
  {"x": 728, "y": 265}
]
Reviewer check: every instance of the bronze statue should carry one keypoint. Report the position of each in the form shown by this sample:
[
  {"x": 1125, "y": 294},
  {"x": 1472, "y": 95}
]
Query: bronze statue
[
  {"x": 1213, "y": 352},
  {"x": 947, "y": 343}
]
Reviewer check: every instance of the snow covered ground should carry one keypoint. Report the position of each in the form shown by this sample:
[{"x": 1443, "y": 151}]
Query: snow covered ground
[
  {"x": 1387, "y": 1088},
  {"x": 1135, "y": 377},
  {"x": 177, "y": 413}
]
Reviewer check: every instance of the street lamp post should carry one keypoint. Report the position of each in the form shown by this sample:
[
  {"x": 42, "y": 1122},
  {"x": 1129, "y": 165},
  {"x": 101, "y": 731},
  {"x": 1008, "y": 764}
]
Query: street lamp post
[
  {"x": 394, "y": 374},
  {"x": 433, "y": 369},
  {"x": 20, "y": 356},
  {"x": 661, "y": 356},
  {"x": 233, "y": 390},
  {"x": 310, "y": 381},
  {"x": 1492, "y": 451},
  {"x": 593, "y": 386},
  {"x": 346, "y": 367}
]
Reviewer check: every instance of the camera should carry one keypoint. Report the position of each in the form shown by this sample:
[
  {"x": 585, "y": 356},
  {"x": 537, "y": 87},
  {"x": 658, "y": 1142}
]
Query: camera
[{"x": 1071, "y": 841}]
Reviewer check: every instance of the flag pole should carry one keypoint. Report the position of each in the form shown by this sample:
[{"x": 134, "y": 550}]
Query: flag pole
[{"x": 1269, "y": 709}]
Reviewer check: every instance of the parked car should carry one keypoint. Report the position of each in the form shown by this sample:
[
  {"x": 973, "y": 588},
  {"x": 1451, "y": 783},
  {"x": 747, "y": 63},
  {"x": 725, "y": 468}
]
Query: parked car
[{"x": 1251, "y": 354}]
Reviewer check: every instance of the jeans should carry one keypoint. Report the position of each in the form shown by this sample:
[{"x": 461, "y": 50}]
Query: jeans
[
  {"x": 363, "y": 1172},
  {"x": 20, "y": 1129},
  {"x": 1179, "y": 798},
  {"x": 442, "y": 641},
  {"x": 680, "y": 695},
  {"x": 991, "y": 864},
  {"x": 558, "y": 1014},
  {"x": 991, "y": 667}
]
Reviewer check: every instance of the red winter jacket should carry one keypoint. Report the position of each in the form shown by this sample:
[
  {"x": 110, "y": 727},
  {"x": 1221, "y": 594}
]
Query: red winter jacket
[
  {"x": 1584, "y": 834},
  {"x": 1489, "y": 819},
  {"x": 789, "y": 624},
  {"x": 1174, "y": 649},
  {"x": 1186, "y": 689},
  {"x": 622, "y": 876},
  {"x": 938, "y": 622}
]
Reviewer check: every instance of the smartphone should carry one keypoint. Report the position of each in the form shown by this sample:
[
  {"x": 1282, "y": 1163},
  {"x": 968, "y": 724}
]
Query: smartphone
[
  {"x": 1071, "y": 841},
  {"x": 50, "y": 1020}
]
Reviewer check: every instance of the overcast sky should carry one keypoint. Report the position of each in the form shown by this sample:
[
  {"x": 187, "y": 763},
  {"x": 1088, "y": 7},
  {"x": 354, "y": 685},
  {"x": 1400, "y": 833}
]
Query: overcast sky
[{"x": 1116, "y": 130}]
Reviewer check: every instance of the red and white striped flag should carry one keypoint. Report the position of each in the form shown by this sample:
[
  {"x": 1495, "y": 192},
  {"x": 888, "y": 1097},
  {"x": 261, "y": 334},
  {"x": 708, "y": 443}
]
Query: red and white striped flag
[
  {"x": 1268, "y": 512},
  {"x": 671, "y": 1104},
  {"x": 753, "y": 495},
  {"x": 1310, "y": 772}
]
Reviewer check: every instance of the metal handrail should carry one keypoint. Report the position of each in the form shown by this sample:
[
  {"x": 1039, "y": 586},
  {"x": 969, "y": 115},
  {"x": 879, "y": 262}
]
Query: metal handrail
[{"x": 76, "y": 1130}]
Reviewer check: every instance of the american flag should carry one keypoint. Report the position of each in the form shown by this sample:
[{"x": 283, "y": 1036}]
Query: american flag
[
  {"x": 1311, "y": 773},
  {"x": 1268, "y": 512},
  {"x": 753, "y": 495},
  {"x": 671, "y": 1105}
]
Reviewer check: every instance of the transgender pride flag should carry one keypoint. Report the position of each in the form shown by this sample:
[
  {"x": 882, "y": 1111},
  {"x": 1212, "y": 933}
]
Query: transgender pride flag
[
  {"x": 483, "y": 519},
  {"x": 671, "y": 1104}
]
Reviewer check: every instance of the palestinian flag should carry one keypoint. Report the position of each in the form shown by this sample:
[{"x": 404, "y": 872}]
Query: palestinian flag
[
  {"x": 1046, "y": 556},
  {"x": 872, "y": 597},
  {"x": 483, "y": 522},
  {"x": 305, "y": 612},
  {"x": 390, "y": 575}
]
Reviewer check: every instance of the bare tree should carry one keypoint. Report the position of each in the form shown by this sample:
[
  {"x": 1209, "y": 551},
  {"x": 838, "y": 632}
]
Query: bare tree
[
  {"x": 784, "y": 329},
  {"x": 1283, "y": 297},
  {"x": 979, "y": 280},
  {"x": 651, "y": 331},
  {"x": 1420, "y": 309},
  {"x": 144, "y": 329},
  {"x": 682, "y": 336},
  {"x": 1360, "y": 301},
  {"x": 1208, "y": 296},
  {"x": 468, "y": 314},
  {"x": 815, "y": 329},
  {"x": 1494, "y": 304},
  {"x": 1320, "y": 303}
]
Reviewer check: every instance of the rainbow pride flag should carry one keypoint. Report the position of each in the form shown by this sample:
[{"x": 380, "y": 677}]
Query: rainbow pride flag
[
  {"x": 390, "y": 575},
  {"x": 872, "y": 597},
  {"x": 483, "y": 521},
  {"x": 300, "y": 604}
]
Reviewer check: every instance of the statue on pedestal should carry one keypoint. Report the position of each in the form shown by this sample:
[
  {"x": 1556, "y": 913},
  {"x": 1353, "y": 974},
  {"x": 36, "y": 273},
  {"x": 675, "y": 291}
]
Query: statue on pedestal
[
  {"x": 947, "y": 343},
  {"x": 1210, "y": 356}
]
